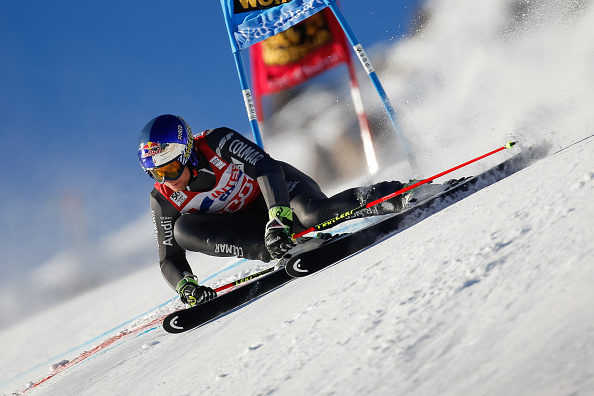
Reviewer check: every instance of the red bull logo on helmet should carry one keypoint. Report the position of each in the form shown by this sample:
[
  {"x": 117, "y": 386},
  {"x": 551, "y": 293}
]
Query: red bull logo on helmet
[{"x": 151, "y": 149}]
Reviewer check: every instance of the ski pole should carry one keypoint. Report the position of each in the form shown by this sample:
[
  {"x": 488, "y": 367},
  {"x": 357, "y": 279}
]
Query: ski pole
[
  {"x": 243, "y": 280},
  {"x": 329, "y": 223}
]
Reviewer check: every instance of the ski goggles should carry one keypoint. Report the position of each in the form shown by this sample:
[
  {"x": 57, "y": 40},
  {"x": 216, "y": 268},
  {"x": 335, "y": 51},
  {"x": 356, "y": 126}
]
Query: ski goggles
[{"x": 171, "y": 171}]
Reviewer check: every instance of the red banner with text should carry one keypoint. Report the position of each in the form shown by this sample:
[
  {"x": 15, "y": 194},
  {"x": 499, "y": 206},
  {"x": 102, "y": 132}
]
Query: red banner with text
[{"x": 298, "y": 53}]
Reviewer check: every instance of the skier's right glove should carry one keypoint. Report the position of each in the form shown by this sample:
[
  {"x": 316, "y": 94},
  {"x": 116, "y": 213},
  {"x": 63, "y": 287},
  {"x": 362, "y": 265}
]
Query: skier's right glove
[
  {"x": 191, "y": 293},
  {"x": 278, "y": 238}
]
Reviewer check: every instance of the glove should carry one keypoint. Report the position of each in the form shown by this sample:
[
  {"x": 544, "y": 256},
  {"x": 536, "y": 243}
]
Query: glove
[
  {"x": 278, "y": 238},
  {"x": 191, "y": 293}
]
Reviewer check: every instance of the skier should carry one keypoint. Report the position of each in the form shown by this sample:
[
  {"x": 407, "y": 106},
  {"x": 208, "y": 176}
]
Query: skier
[{"x": 220, "y": 194}]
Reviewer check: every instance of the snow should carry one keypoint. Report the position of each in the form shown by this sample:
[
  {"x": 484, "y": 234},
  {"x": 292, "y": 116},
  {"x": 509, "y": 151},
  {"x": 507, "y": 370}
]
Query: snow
[{"x": 490, "y": 296}]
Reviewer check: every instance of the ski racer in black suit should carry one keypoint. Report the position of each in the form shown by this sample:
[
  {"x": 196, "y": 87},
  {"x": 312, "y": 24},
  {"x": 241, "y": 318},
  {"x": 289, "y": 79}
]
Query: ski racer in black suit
[{"x": 220, "y": 194}]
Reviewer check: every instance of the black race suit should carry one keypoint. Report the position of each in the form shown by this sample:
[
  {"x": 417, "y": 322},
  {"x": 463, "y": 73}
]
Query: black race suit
[{"x": 212, "y": 230}]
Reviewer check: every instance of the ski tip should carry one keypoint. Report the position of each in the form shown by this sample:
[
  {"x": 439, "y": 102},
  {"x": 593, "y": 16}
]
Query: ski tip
[{"x": 510, "y": 145}]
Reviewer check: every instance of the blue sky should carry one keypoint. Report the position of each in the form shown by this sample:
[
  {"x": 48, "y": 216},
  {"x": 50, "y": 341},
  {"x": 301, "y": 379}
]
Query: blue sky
[{"x": 78, "y": 81}]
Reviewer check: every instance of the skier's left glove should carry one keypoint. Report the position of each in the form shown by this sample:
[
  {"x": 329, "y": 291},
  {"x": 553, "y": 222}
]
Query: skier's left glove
[
  {"x": 278, "y": 238},
  {"x": 191, "y": 293}
]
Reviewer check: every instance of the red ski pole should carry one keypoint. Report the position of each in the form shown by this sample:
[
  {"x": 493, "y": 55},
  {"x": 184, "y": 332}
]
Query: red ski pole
[{"x": 331, "y": 222}]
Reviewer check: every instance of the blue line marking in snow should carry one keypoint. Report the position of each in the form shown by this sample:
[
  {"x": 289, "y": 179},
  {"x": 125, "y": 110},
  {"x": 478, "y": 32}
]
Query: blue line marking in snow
[
  {"x": 105, "y": 334},
  {"x": 81, "y": 346}
]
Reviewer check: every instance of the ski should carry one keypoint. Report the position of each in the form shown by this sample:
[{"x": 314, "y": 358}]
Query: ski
[
  {"x": 237, "y": 293},
  {"x": 336, "y": 249},
  {"x": 187, "y": 319},
  {"x": 317, "y": 253}
]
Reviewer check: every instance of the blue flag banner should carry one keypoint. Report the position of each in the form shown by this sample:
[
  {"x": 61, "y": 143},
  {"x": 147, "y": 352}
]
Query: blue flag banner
[{"x": 251, "y": 21}]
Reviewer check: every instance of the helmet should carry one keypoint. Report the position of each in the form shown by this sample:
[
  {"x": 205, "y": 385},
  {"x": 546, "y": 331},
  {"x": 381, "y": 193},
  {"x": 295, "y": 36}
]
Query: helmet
[{"x": 165, "y": 140}]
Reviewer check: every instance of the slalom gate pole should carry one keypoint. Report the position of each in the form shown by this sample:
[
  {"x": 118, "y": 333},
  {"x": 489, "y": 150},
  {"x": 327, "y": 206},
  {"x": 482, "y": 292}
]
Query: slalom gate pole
[
  {"x": 358, "y": 48},
  {"x": 368, "y": 148},
  {"x": 243, "y": 81},
  {"x": 248, "y": 99},
  {"x": 330, "y": 223},
  {"x": 243, "y": 280}
]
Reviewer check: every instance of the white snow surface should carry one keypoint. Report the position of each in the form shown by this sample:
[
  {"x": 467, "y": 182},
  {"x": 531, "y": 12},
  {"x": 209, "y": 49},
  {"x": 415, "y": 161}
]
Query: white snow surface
[{"x": 490, "y": 296}]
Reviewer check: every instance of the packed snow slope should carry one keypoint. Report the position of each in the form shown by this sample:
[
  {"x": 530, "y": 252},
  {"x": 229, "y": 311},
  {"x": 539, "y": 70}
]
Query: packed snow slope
[{"x": 490, "y": 296}]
